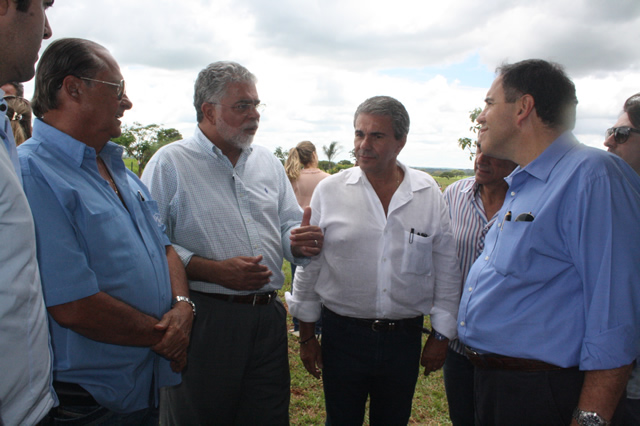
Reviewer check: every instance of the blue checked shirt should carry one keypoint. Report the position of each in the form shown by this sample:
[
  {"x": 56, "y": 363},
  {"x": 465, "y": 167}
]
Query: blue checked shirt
[{"x": 217, "y": 211}]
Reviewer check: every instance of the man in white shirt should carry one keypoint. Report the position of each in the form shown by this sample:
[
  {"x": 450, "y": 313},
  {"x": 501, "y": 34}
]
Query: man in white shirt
[
  {"x": 388, "y": 259},
  {"x": 26, "y": 394}
]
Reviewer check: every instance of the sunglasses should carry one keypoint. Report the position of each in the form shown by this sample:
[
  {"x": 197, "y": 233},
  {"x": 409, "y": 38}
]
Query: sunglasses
[
  {"x": 121, "y": 89},
  {"x": 620, "y": 134}
]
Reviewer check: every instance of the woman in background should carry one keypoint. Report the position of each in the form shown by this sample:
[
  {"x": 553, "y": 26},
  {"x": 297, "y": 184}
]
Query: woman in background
[{"x": 303, "y": 172}]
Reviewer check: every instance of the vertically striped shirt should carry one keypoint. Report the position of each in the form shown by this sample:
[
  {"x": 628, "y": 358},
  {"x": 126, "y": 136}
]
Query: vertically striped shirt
[{"x": 469, "y": 224}]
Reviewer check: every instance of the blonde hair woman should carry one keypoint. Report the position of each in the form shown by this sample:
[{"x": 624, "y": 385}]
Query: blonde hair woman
[{"x": 303, "y": 172}]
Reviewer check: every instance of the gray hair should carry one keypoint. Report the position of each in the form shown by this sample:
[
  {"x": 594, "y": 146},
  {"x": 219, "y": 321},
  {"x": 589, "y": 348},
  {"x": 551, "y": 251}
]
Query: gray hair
[
  {"x": 212, "y": 83},
  {"x": 386, "y": 106}
]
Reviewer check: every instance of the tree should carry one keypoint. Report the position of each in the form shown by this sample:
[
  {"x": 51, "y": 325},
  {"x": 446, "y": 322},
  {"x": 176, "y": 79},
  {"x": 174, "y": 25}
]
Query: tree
[
  {"x": 468, "y": 143},
  {"x": 331, "y": 151},
  {"x": 141, "y": 142},
  {"x": 281, "y": 154}
]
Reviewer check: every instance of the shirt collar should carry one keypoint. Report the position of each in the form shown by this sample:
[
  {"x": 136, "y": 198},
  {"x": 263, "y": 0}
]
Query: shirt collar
[
  {"x": 414, "y": 184},
  {"x": 74, "y": 149},
  {"x": 542, "y": 166},
  {"x": 205, "y": 143}
]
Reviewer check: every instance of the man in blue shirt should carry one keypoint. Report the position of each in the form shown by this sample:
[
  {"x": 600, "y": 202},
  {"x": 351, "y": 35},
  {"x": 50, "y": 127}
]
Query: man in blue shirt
[
  {"x": 549, "y": 310},
  {"x": 109, "y": 274}
]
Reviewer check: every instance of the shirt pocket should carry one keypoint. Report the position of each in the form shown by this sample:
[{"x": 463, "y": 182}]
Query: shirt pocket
[
  {"x": 512, "y": 253},
  {"x": 417, "y": 254}
]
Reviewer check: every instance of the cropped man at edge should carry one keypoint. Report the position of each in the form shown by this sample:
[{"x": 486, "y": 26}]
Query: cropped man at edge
[
  {"x": 389, "y": 259},
  {"x": 26, "y": 394},
  {"x": 109, "y": 273},
  {"x": 232, "y": 217},
  {"x": 549, "y": 311},
  {"x": 473, "y": 205},
  {"x": 623, "y": 140}
]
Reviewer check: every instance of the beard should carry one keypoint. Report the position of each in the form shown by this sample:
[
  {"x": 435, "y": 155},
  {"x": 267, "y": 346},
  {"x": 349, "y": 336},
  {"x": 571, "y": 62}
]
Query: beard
[{"x": 234, "y": 135}]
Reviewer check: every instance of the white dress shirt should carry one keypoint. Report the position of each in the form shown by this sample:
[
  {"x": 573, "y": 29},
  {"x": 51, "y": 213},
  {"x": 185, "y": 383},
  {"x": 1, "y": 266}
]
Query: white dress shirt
[{"x": 374, "y": 266}]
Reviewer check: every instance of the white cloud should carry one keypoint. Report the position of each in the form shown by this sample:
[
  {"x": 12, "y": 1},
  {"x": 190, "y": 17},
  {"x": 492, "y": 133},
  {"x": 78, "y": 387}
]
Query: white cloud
[{"x": 316, "y": 60}]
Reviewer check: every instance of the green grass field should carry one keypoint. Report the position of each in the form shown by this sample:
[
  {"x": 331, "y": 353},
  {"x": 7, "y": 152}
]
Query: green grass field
[{"x": 307, "y": 399}]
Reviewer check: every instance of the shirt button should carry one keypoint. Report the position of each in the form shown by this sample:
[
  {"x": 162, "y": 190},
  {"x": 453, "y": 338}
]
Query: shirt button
[
  {"x": 486, "y": 258},
  {"x": 470, "y": 288},
  {"x": 513, "y": 193},
  {"x": 461, "y": 323}
]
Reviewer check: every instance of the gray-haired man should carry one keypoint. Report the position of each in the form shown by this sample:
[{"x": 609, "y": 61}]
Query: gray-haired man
[{"x": 232, "y": 216}]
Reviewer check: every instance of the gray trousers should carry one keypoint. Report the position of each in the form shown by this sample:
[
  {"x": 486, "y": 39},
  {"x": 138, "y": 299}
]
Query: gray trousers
[{"x": 238, "y": 367}]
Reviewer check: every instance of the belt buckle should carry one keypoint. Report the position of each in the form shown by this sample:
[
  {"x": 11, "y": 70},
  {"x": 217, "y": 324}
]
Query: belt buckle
[
  {"x": 267, "y": 295},
  {"x": 380, "y": 325}
]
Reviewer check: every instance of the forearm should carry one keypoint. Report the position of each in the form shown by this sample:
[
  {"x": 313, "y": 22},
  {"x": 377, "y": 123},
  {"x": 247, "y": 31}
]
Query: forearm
[
  {"x": 307, "y": 330},
  {"x": 602, "y": 390},
  {"x": 201, "y": 269},
  {"x": 105, "y": 319},
  {"x": 177, "y": 273}
]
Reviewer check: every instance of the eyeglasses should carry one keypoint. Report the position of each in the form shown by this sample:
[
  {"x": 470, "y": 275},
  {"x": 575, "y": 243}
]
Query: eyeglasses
[
  {"x": 244, "y": 108},
  {"x": 121, "y": 89},
  {"x": 620, "y": 134}
]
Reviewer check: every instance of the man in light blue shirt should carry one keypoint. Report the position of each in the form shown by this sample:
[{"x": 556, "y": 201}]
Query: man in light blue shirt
[
  {"x": 232, "y": 216},
  {"x": 549, "y": 310},
  {"x": 109, "y": 273},
  {"x": 26, "y": 394}
]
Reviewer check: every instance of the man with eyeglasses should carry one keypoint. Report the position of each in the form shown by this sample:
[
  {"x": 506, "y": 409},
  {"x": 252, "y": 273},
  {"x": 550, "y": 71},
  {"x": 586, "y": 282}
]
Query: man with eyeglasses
[
  {"x": 623, "y": 140},
  {"x": 549, "y": 311},
  {"x": 115, "y": 289},
  {"x": 26, "y": 394},
  {"x": 232, "y": 216}
]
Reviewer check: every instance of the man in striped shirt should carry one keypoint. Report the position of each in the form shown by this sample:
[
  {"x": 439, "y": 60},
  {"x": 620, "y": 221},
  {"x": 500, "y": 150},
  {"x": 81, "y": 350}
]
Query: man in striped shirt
[{"x": 473, "y": 205}]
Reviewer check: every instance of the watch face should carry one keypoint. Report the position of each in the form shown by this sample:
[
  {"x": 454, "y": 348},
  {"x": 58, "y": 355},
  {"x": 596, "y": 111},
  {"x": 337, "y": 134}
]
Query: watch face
[{"x": 586, "y": 418}]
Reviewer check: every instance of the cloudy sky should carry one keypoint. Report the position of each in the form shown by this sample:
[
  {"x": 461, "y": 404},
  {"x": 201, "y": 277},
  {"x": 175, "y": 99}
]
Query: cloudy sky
[{"x": 316, "y": 60}]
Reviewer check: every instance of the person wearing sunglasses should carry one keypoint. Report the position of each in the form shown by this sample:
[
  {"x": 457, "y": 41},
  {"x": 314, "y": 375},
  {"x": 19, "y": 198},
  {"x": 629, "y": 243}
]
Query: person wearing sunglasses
[
  {"x": 115, "y": 289},
  {"x": 623, "y": 139}
]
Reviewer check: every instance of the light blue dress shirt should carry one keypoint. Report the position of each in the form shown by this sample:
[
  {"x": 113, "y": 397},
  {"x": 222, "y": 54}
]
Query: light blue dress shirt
[
  {"x": 26, "y": 361},
  {"x": 562, "y": 288},
  {"x": 217, "y": 211},
  {"x": 89, "y": 242}
]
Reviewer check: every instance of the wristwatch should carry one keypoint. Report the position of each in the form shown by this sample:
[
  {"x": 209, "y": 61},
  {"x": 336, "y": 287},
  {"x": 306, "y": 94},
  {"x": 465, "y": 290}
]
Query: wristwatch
[
  {"x": 439, "y": 337},
  {"x": 589, "y": 418},
  {"x": 184, "y": 299}
]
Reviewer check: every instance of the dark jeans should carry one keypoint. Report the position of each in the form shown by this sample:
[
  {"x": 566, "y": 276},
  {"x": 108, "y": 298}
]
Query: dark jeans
[
  {"x": 237, "y": 369},
  {"x": 360, "y": 362},
  {"x": 458, "y": 383},
  {"x": 526, "y": 397},
  {"x": 97, "y": 415}
]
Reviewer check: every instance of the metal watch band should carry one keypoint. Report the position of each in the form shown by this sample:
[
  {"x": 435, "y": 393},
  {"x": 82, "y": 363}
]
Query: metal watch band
[
  {"x": 589, "y": 418},
  {"x": 184, "y": 299}
]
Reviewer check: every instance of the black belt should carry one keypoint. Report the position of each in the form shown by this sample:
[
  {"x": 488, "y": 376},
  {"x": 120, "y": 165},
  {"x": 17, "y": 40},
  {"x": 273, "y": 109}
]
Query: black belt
[
  {"x": 501, "y": 362},
  {"x": 251, "y": 299},
  {"x": 380, "y": 324},
  {"x": 72, "y": 394}
]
